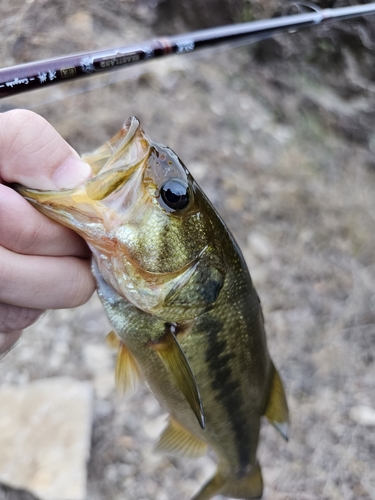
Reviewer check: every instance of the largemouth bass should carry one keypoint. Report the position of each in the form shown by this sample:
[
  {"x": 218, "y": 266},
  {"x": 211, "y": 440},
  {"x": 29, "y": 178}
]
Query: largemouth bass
[{"x": 185, "y": 313}]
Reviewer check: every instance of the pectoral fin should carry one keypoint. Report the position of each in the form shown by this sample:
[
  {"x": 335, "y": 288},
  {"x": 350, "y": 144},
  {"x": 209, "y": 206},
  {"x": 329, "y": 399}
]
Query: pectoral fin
[
  {"x": 177, "y": 441},
  {"x": 127, "y": 374},
  {"x": 178, "y": 366},
  {"x": 277, "y": 408}
]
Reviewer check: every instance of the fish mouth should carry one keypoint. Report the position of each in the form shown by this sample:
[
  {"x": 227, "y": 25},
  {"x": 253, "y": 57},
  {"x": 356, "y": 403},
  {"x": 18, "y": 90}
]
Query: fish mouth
[
  {"x": 101, "y": 202},
  {"x": 107, "y": 209}
]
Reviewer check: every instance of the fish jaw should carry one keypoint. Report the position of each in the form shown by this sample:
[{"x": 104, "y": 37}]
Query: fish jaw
[{"x": 102, "y": 202}]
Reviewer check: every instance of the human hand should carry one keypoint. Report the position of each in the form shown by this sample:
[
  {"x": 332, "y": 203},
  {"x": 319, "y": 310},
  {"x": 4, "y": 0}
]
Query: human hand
[{"x": 43, "y": 265}]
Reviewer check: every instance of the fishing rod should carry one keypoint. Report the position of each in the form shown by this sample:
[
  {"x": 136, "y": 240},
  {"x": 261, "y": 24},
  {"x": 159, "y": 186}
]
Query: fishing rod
[{"x": 35, "y": 75}]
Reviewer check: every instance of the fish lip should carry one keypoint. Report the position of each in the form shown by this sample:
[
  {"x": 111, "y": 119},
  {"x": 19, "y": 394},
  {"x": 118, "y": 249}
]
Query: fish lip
[
  {"x": 131, "y": 126},
  {"x": 116, "y": 161}
]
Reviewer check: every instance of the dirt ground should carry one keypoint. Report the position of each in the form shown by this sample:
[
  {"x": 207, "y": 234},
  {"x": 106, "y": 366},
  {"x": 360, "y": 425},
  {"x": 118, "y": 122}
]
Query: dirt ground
[{"x": 299, "y": 199}]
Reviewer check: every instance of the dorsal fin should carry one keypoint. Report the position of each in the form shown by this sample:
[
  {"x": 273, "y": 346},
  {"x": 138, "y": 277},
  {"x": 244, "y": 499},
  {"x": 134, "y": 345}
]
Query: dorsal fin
[
  {"x": 127, "y": 374},
  {"x": 277, "y": 408},
  {"x": 177, "y": 441}
]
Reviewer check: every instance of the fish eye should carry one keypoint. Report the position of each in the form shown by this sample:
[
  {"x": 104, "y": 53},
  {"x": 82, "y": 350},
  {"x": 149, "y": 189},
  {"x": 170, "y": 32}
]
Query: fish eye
[{"x": 175, "y": 194}]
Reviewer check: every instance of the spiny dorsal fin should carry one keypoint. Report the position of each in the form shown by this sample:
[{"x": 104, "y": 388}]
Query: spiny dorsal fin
[
  {"x": 112, "y": 340},
  {"x": 127, "y": 374},
  {"x": 178, "y": 366},
  {"x": 177, "y": 441},
  {"x": 277, "y": 408}
]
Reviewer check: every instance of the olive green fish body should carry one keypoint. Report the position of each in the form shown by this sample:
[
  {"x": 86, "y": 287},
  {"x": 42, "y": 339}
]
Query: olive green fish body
[
  {"x": 177, "y": 291},
  {"x": 226, "y": 349}
]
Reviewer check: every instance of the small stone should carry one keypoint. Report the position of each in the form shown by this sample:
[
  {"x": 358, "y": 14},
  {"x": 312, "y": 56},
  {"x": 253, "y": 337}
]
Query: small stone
[
  {"x": 101, "y": 363},
  {"x": 82, "y": 21},
  {"x": 155, "y": 427},
  {"x": 199, "y": 169},
  {"x": 104, "y": 384},
  {"x": 45, "y": 430},
  {"x": 363, "y": 415},
  {"x": 98, "y": 358},
  {"x": 260, "y": 245}
]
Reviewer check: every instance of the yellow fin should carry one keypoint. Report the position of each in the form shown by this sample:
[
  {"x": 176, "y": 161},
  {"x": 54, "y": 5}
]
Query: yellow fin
[
  {"x": 178, "y": 366},
  {"x": 128, "y": 374},
  {"x": 112, "y": 340},
  {"x": 177, "y": 441},
  {"x": 277, "y": 408},
  {"x": 249, "y": 487}
]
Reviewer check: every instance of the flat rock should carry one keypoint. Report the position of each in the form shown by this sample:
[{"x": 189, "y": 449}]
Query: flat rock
[{"x": 45, "y": 430}]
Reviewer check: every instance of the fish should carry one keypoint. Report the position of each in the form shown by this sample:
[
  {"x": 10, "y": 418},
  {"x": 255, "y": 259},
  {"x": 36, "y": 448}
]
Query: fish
[{"x": 185, "y": 314}]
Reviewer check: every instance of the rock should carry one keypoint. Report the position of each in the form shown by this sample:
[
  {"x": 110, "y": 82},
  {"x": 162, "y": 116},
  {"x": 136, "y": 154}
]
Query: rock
[
  {"x": 155, "y": 427},
  {"x": 101, "y": 363},
  {"x": 81, "y": 21},
  {"x": 45, "y": 430},
  {"x": 98, "y": 358},
  {"x": 260, "y": 245},
  {"x": 363, "y": 415}
]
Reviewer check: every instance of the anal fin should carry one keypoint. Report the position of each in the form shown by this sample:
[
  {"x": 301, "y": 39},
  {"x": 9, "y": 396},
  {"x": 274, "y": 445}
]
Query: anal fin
[
  {"x": 127, "y": 375},
  {"x": 177, "y": 441},
  {"x": 249, "y": 487},
  {"x": 277, "y": 408}
]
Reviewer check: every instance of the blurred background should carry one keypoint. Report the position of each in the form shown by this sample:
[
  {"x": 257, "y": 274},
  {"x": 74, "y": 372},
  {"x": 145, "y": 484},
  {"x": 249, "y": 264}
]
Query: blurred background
[{"x": 280, "y": 135}]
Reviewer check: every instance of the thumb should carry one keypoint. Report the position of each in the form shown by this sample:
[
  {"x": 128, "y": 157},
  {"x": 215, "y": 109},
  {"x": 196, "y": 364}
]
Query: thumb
[{"x": 34, "y": 154}]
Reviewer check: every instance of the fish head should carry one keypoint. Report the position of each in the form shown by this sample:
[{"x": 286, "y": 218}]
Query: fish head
[{"x": 147, "y": 222}]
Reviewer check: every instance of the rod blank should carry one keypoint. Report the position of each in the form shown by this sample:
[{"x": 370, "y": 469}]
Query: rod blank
[{"x": 35, "y": 75}]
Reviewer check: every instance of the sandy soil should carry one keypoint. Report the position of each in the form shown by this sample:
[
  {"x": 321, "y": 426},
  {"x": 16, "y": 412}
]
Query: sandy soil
[{"x": 299, "y": 200}]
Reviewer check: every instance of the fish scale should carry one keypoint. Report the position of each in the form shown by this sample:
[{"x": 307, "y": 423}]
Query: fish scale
[{"x": 185, "y": 313}]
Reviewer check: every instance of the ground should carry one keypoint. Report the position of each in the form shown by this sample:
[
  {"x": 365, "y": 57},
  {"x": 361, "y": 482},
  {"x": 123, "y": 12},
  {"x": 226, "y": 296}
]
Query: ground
[{"x": 298, "y": 197}]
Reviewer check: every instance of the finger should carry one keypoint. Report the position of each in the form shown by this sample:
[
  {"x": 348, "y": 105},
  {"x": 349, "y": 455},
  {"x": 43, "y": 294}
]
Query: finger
[
  {"x": 7, "y": 341},
  {"x": 14, "y": 318},
  {"x": 44, "y": 282},
  {"x": 25, "y": 230},
  {"x": 34, "y": 154}
]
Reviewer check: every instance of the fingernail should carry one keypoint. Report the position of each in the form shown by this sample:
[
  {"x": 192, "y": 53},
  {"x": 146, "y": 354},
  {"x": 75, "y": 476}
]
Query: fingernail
[{"x": 72, "y": 173}]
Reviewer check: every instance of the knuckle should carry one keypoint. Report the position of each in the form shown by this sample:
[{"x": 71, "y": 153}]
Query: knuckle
[
  {"x": 20, "y": 129},
  {"x": 16, "y": 119},
  {"x": 12, "y": 122},
  {"x": 14, "y": 318},
  {"x": 30, "y": 235}
]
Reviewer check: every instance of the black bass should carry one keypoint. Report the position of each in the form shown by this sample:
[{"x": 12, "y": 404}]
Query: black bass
[{"x": 185, "y": 313}]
